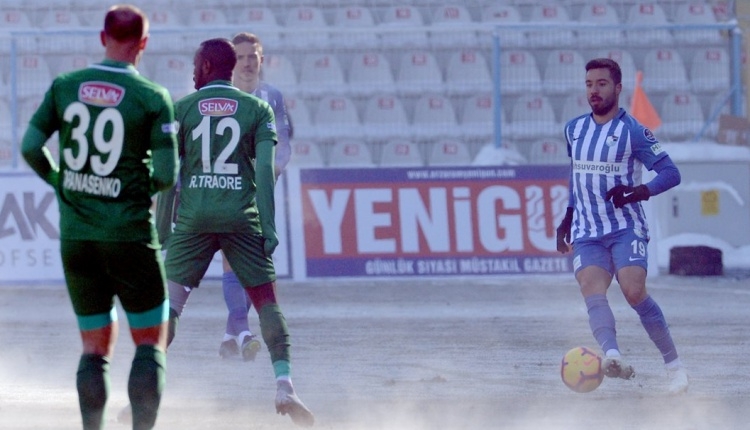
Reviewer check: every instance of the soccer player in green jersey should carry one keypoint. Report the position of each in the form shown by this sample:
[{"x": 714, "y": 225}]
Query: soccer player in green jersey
[
  {"x": 238, "y": 339},
  {"x": 226, "y": 142},
  {"x": 117, "y": 149}
]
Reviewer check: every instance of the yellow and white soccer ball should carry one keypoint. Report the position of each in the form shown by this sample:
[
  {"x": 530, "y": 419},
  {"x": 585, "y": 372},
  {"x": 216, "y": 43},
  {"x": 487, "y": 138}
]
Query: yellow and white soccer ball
[{"x": 581, "y": 369}]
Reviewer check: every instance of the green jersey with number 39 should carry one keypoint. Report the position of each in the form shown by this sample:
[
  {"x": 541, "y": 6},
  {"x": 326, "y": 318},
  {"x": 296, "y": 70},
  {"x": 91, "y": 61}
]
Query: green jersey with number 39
[
  {"x": 110, "y": 120},
  {"x": 219, "y": 127}
]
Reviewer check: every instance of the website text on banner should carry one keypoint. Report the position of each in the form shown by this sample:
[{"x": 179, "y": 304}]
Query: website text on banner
[{"x": 432, "y": 221}]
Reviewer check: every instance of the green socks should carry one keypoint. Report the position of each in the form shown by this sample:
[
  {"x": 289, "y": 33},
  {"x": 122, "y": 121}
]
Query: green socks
[
  {"x": 275, "y": 333},
  {"x": 146, "y": 383},
  {"x": 92, "y": 381}
]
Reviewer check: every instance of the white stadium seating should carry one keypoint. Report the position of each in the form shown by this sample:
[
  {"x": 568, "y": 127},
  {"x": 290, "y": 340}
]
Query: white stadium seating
[{"x": 369, "y": 72}]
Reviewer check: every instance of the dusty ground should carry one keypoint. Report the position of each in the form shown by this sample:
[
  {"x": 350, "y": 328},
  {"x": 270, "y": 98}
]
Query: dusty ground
[{"x": 479, "y": 353}]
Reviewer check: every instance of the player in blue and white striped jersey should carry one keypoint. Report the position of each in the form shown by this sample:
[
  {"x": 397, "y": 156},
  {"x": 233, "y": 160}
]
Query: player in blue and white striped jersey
[{"x": 605, "y": 221}]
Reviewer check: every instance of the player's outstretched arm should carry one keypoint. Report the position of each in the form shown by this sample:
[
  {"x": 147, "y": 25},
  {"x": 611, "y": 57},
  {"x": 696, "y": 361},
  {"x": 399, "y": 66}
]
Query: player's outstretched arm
[{"x": 264, "y": 180}]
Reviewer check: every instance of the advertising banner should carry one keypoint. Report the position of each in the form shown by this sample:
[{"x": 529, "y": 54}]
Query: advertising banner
[
  {"x": 30, "y": 236},
  {"x": 29, "y": 233},
  {"x": 429, "y": 221}
]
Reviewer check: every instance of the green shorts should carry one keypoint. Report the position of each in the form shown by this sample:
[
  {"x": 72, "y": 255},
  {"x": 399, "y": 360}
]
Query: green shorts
[
  {"x": 190, "y": 254},
  {"x": 96, "y": 272}
]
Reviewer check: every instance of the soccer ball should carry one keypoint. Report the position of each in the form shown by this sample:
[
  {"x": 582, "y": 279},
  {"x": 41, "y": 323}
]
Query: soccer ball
[{"x": 581, "y": 369}]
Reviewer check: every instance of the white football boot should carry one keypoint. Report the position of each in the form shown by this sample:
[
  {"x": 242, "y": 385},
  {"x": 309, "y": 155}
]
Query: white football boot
[{"x": 678, "y": 380}]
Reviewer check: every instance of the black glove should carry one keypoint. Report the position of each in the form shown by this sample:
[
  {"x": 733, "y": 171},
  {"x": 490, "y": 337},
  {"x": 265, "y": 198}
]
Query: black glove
[
  {"x": 563, "y": 231},
  {"x": 622, "y": 194}
]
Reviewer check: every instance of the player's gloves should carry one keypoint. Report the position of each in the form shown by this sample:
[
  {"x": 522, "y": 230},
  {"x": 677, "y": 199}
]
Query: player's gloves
[
  {"x": 563, "y": 231},
  {"x": 623, "y": 194},
  {"x": 270, "y": 244}
]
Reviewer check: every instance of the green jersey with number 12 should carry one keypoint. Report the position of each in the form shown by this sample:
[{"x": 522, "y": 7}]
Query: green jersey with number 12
[
  {"x": 219, "y": 127},
  {"x": 109, "y": 119}
]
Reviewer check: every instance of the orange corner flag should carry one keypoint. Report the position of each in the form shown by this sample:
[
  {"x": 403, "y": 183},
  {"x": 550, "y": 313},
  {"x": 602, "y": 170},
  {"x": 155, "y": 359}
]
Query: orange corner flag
[{"x": 641, "y": 107}]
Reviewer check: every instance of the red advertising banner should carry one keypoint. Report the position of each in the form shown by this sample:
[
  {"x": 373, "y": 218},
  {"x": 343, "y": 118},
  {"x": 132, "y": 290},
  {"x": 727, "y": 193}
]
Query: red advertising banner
[{"x": 433, "y": 221}]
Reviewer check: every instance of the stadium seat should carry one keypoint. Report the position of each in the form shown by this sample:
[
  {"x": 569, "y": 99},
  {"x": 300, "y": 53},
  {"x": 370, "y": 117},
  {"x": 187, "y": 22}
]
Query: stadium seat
[
  {"x": 549, "y": 151},
  {"x": 519, "y": 73},
  {"x": 162, "y": 17},
  {"x": 533, "y": 117},
  {"x": 60, "y": 18},
  {"x": 681, "y": 115},
  {"x": 490, "y": 155},
  {"x": 404, "y": 27},
  {"x": 336, "y": 117},
  {"x": 478, "y": 117},
  {"x": 648, "y": 13},
  {"x": 206, "y": 17},
  {"x": 400, "y": 153},
  {"x": 305, "y": 27},
  {"x": 434, "y": 118},
  {"x": 627, "y": 65},
  {"x": 262, "y": 22},
  {"x": 664, "y": 71},
  {"x": 709, "y": 70},
  {"x": 202, "y": 22},
  {"x": 175, "y": 72},
  {"x": 26, "y": 110},
  {"x": 321, "y": 74},
  {"x": 498, "y": 14},
  {"x": 166, "y": 33},
  {"x": 448, "y": 28},
  {"x": 467, "y": 73},
  {"x": 33, "y": 76},
  {"x": 350, "y": 153},
  {"x": 90, "y": 12},
  {"x": 279, "y": 71},
  {"x": 13, "y": 20},
  {"x": 299, "y": 115},
  {"x": 696, "y": 13},
  {"x": 70, "y": 62},
  {"x": 603, "y": 16},
  {"x": 418, "y": 72},
  {"x": 385, "y": 118},
  {"x": 552, "y": 14},
  {"x": 360, "y": 26},
  {"x": 575, "y": 105},
  {"x": 564, "y": 72},
  {"x": 370, "y": 73},
  {"x": 306, "y": 153},
  {"x": 449, "y": 152}
]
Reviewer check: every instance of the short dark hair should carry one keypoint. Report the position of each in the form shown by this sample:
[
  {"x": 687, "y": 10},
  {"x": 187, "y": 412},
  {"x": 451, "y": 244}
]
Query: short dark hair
[
  {"x": 246, "y": 37},
  {"x": 125, "y": 23},
  {"x": 221, "y": 54},
  {"x": 609, "y": 64}
]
